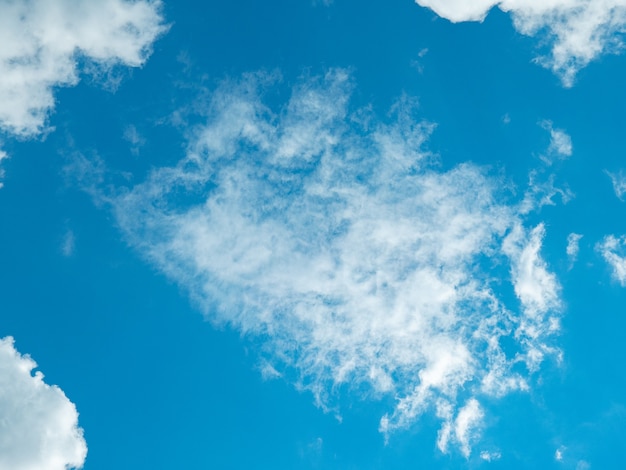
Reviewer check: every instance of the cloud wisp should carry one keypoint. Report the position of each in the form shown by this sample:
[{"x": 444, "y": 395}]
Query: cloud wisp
[
  {"x": 619, "y": 183},
  {"x": 39, "y": 425},
  {"x": 42, "y": 43},
  {"x": 560, "y": 146},
  {"x": 573, "y": 247},
  {"x": 578, "y": 31},
  {"x": 613, "y": 250},
  {"x": 334, "y": 239}
]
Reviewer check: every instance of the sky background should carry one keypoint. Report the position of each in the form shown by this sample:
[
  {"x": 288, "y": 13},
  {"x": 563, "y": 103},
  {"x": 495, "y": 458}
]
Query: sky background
[{"x": 166, "y": 221}]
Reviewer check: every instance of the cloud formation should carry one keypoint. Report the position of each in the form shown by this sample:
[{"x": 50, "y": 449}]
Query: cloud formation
[
  {"x": 42, "y": 43},
  {"x": 39, "y": 425},
  {"x": 333, "y": 238},
  {"x": 3, "y": 156},
  {"x": 573, "y": 247},
  {"x": 560, "y": 143},
  {"x": 613, "y": 250},
  {"x": 578, "y": 31},
  {"x": 619, "y": 183}
]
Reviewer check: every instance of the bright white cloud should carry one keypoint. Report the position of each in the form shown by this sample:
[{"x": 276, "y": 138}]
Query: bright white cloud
[
  {"x": 578, "y": 31},
  {"x": 42, "y": 41},
  {"x": 331, "y": 235},
  {"x": 462, "y": 429},
  {"x": 534, "y": 285},
  {"x": 613, "y": 250},
  {"x": 39, "y": 425},
  {"x": 619, "y": 183}
]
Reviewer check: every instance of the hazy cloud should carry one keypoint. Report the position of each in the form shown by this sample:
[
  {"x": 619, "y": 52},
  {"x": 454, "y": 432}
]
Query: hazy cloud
[
  {"x": 560, "y": 143},
  {"x": 613, "y": 250},
  {"x": 490, "y": 456},
  {"x": 68, "y": 244},
  {"x": 572, "y": 249},
  {"x": 330, "y": 234},
  {"x": 39, "y": 425},
  {"x": 136, "y": 140},
  {"x": 577, "y": 31},
  {"x": 619, "y": 183},
  {"x": 3, "y": 156}
]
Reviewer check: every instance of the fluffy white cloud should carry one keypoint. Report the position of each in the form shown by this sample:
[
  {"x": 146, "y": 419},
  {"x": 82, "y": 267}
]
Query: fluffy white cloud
[
  {"x": 613, "y": 250},
  {"x": 331, "y": 236},
  {"x": 39, "y": 425},
  {"x": 42, "y": 42},
  {"x": 578, "y": 30}
]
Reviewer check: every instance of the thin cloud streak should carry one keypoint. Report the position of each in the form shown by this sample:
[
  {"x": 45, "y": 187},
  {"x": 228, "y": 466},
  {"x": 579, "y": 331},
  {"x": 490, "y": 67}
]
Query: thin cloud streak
[
  {"x": 619, "y": 183},
  {"x": 613, "y": 250}
]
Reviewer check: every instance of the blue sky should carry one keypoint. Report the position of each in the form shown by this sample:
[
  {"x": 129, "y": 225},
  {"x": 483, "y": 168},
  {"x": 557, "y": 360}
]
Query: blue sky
[{"x": 312, "y": 234}]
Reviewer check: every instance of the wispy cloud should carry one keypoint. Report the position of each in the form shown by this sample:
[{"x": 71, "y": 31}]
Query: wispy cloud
[
  {"x": 39, "y": 425},
  {"x": 332, "y": 236},
  {"x": 619, "y": 183},
  {"x": 560, "y": 143},
  {"x": 136, "y": 140},
  {"x": 578, "y": 31},
  {"x": 613, "y": 250},
  {"x": 573, "y": 247},
  {"x": 462, "y": 429},
  {"x": 68, "y": 244},
  {"x": 490, "y": 456},
  {"x": 3, "y": 156},
  {"x": 41, "y": 43}
]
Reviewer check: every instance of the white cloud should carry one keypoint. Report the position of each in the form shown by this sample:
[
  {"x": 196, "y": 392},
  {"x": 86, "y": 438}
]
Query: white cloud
[
  {"x": 41, "y": 43},
  {"x": 331, "y": 235},
  {"x": 536, "y": 288},
  {"x": 136, "y": 140},
  {"x": 490, "y": 456},
  {"x": 578, "y": 31},
  {"x": 619, "y": 183},
  {"x": 39, "y": 425},
  {"x": 68, "y": 245},
  {"x": 613, "y": 250},
  {"x": 558, "y": 454},
  {"x": 573, "y": 246},
  {"x": 3, "y": 155},
  {"x": 560, "y": 143},
  {"x": 463, "y": 429}
]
